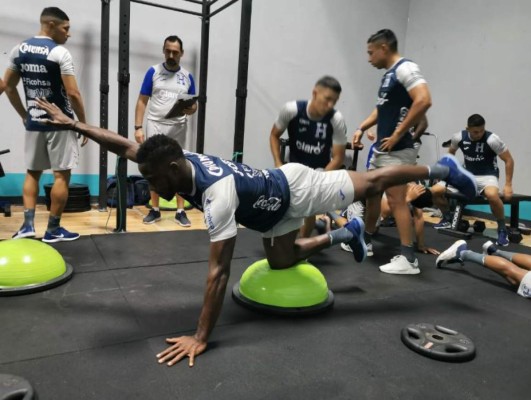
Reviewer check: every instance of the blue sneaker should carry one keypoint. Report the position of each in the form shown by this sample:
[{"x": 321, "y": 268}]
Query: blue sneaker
[
  {"x": 503, "y": 239},
  {"x": 26, "y": 231},
  {"x": 459, "y": 177},
  {"x": 451, "y": 254},
  {"x": 60, "y": 235},
  {"x": 357, "y": 244}
]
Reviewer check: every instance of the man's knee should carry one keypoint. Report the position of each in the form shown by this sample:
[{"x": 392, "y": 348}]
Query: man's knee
[
  {"x": 492, "y": 194},
  {"x": 278, "y": 262}
]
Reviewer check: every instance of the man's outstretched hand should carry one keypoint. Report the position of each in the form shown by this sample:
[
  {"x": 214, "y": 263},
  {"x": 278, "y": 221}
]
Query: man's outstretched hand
[
  {"x": 183, "y": 346},
  {"x": 57, "y": 117}
]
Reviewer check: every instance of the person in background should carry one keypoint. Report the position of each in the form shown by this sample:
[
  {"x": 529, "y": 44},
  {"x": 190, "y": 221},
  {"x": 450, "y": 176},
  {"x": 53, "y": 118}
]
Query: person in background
[
  {"x": 160, "y": 90},
  {"x": 46, "y": 69},
  {"x": 316, "y": 133}
]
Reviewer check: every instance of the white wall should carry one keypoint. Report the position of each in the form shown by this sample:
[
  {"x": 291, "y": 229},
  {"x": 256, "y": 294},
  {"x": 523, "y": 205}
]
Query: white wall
[
  {"x": 475, "y": 55},
  {"x": 293, "y": 43}
]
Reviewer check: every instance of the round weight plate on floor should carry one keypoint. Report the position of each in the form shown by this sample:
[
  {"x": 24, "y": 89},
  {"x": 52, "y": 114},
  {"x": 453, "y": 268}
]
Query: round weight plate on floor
[
  {"x": 15, "y": 388},
  {"x": 438, "y": 342}
]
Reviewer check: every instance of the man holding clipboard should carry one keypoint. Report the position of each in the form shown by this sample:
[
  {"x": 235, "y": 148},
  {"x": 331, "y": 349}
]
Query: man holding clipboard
[{"x": 168, "y": 94}]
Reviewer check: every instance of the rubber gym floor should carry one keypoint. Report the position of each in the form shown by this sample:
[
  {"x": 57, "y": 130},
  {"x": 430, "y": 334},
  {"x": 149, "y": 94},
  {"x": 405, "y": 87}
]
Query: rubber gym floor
[{"x": 96, "y": 336}]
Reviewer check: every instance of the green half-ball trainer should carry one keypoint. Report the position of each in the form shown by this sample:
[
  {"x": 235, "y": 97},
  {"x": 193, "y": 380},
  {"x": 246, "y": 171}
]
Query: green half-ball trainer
[
  {"x": 28, "y": 266},
  {"x": 301, "y": 289}
]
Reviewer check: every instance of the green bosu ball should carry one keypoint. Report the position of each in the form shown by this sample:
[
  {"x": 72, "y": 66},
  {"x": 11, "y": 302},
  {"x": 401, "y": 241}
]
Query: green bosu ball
[
  {"x": 301, "y": 289},
  {"x": 28, "y": 266},
  {"x": 171, "y": 205}
]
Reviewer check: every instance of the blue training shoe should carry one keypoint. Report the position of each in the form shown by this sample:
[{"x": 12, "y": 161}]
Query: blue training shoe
[
  {"x": 60, "y": 235},
  {"x": 357, "y": 243},
  {"x": 459, "y": 177},
  {"x": 452, "y": 254},
  {"x": 26, "y": 231}
]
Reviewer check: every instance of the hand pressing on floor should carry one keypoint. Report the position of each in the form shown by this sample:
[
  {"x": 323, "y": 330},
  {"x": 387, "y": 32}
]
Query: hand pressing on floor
[{"x": 183, "y": 346}]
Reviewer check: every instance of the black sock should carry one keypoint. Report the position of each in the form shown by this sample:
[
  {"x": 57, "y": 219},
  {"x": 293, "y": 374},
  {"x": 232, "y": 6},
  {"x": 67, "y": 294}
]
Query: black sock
[
  {"x": 29, "y": 217},
  {"x": 408, "y": 252},
  {"x": 368, "y": 237},
  {"x": 438, "y": 171},
  {"x": 53, "y": 223},
  {"x": 501, "y": 224}
]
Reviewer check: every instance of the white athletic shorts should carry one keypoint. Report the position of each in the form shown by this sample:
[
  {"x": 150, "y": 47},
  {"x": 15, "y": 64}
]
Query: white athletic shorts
[
  {"x": 55, "y": 150},
  {"x": 312, "y": 192},
  {"x": 482, "y": 180},
  {"x": 176, "y": 131},
  {"x": 399, "y": 157},
  {"x": 524, "y": 289}
]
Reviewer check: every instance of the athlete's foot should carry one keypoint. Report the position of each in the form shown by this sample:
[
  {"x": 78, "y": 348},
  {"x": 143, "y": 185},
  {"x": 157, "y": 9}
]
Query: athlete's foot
[
  {"x": 452, "y": 254},
  {"x": 357, "y": 243}
]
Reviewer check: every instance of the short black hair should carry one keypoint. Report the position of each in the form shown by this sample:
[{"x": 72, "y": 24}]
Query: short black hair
[
  {"x": 386, "y": 36},
  {"x": 173, "y": 39},
  {"x": 475, "y": 120},
  {"x": 330, "y": 83},
  {"x": 159, "y": 148},
  {"x": 54, "y": 12}
]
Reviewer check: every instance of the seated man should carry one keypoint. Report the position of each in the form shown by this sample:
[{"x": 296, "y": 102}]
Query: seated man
[
  {"x": 273, "y": 201},
  {"x": 317, "y": 134},
  {"x": 481, "y": 149},
  {"x": 515, "y": 267}
]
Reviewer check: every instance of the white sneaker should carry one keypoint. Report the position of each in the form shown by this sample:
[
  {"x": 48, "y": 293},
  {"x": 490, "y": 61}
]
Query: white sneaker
[
  {"x": 489, "y": 248},
  {"x": 400, "y": 265},
  {"x": 346, "y": 247},
  {"x": 451, "y": 254},
  {"x": 355, "y": 209},
  {"x": 370, "y": 252}
]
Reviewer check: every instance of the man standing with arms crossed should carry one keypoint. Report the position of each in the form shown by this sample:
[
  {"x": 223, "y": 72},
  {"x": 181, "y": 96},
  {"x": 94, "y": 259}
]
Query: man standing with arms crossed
[
  {"x": 403, "y": 99},
  {"x": 316, "y": 131},
  {"x": 47, "y": 71},
  {"x": 161, "y": 87}
]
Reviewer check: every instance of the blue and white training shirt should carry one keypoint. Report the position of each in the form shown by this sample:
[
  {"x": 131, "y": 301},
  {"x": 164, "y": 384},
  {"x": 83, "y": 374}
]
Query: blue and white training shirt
[
  {"x": 40, "y": 62},
  {"x": 481, "y": 156},
  {"x": 394, "y": 100},
  {"x": 229, "y": 193},
  {"x": 311, "y": 141},
  {"x": 163, "y": 87}
]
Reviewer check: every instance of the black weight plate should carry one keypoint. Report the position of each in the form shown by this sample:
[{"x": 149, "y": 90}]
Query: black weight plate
[{"x": 438, "y": 342}]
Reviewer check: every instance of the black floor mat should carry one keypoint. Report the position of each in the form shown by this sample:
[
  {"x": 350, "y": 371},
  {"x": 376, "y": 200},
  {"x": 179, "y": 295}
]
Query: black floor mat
[{"x": 96, "y": 336}]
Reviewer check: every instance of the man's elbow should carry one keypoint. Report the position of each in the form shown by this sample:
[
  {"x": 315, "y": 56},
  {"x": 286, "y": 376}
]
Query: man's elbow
[
  {"x": 74, "y": 94},
  {"x": 425, "y": 103}
]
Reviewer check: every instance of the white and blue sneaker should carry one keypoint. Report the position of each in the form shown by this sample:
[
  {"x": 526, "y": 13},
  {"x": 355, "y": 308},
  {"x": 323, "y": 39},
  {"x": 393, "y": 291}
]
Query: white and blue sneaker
[
  {"x": 357, "y": 243},
  {"x": 489, "y": 248},
  {"x": 451, "y": 254},
  {"x": 60, "y": 235},
  {"x": 459, "y": 177},
  {"x": 27, "y": 231}
]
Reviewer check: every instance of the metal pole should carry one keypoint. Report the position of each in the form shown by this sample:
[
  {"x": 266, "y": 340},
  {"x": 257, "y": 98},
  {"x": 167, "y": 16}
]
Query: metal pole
[
  {"x": 243, "y": 69},
  {"x": 203, "y": 73},
  {"x": 123, "y": 111},
  {"x": 104, "y": 99}
]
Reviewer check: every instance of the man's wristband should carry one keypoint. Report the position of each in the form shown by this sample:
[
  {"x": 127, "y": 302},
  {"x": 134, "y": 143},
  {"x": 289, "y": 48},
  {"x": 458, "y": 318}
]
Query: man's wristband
[
  {"x": 74, "y": 126},
  {"x": 137, "y": 127}
]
